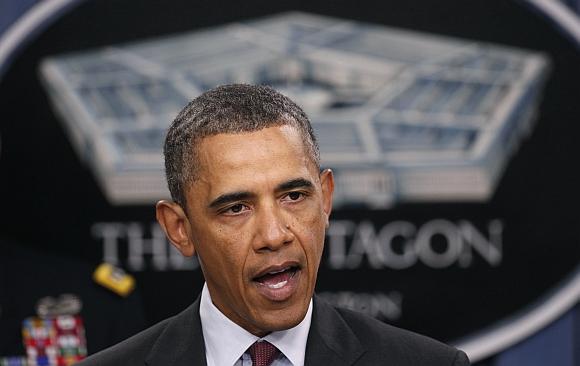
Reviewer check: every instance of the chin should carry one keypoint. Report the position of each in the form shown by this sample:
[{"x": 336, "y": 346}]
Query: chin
[{"x": 283, "y": 319}]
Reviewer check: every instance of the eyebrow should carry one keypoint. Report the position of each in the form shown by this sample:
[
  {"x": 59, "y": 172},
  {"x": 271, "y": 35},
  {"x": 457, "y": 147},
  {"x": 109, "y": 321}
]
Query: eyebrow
[
  {"x": 243, "y": 195},
  {"x": 230, "y": 197},
  {"x": 295, "y": 183}
]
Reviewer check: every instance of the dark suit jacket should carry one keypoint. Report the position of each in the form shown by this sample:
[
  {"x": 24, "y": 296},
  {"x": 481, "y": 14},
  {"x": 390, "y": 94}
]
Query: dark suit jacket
[{"x": 337, "y": 337}]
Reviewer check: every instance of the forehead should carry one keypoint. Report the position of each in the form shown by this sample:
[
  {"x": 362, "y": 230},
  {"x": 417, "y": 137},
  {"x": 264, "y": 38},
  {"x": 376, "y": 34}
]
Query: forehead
[{"x": 270, "y": 149}]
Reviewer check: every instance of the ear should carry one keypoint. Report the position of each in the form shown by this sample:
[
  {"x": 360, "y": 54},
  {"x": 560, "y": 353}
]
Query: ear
[
  {"x": 174, "y": 222},
  {"x": 327, "y": 182}
]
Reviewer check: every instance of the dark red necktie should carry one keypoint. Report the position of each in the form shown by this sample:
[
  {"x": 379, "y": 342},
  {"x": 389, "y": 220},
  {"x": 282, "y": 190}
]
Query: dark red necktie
[{"x": 263, "y": 353}]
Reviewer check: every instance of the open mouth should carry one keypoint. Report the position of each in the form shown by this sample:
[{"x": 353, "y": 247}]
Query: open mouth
[{"x": 277, "y": 278}]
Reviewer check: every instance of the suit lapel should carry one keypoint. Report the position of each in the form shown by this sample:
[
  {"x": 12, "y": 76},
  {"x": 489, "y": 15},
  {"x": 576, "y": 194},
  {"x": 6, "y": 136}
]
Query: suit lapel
[
  {"x": 181, "y": 343},
  {"x": 330, "y": 340}
]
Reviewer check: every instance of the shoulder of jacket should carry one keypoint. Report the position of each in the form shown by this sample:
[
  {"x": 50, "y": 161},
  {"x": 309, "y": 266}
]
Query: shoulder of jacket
[{"x": 390, "y": 341}]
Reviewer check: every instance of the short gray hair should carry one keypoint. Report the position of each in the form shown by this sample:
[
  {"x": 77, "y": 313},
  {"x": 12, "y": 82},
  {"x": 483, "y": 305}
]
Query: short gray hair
[{"x": 231, "y": 109}]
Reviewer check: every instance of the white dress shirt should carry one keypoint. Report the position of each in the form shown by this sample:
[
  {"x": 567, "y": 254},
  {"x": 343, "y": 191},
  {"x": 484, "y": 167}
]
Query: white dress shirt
[{"x": 226, "y": 342}]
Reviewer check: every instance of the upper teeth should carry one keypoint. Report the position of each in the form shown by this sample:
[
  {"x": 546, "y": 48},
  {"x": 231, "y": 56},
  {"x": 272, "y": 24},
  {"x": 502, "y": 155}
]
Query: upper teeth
[{"x": 274, "y": 272}]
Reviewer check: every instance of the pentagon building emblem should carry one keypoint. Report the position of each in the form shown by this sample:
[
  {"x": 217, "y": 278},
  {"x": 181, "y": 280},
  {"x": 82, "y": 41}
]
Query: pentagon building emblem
[{"x": 401, "y": 116}]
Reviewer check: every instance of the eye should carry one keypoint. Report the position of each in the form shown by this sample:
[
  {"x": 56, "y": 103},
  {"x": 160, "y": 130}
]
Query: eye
[
  {"x": 235, "y": 209},
  {"x": 294, "y": 196}
]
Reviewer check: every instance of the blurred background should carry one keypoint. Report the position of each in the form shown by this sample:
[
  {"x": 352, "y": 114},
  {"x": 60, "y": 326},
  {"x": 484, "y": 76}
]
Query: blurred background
[{"x": 452, "y": 128}]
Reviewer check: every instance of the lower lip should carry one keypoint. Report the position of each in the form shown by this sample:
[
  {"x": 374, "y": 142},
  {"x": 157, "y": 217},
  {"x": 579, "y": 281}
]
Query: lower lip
[{"x": 284, "y": 290}]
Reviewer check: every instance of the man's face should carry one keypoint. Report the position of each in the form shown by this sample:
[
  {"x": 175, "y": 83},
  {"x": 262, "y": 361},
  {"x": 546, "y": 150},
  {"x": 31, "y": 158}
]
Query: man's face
[{"x": 256, "y": 218}]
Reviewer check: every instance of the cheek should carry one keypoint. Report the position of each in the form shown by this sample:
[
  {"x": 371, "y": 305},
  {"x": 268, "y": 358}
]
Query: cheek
[
  {"x": 313, "y": 237},
  {"x": 224, "y": 250},
  {"x": 233, "y": 247}
]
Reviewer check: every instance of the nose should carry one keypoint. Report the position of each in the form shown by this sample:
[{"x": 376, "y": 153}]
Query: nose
[{"x": 273, "y": 229}]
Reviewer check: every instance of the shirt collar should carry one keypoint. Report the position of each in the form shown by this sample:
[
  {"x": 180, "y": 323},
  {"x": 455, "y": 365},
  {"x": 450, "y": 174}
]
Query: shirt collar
[{"x": 226, "y": 342}]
